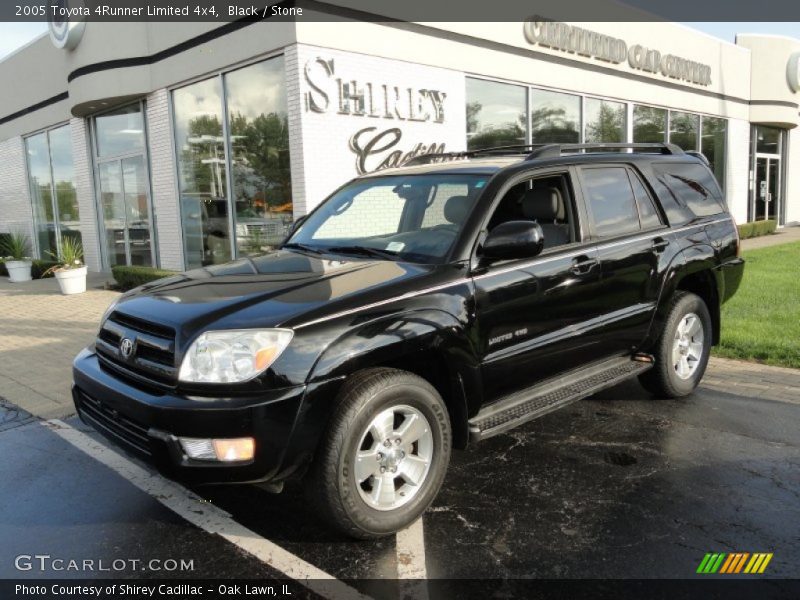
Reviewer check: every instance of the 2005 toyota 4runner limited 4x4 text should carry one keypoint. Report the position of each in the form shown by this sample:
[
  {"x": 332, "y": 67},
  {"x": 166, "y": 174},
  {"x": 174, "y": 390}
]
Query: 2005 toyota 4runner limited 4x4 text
[{"x": 415, "y": 310}]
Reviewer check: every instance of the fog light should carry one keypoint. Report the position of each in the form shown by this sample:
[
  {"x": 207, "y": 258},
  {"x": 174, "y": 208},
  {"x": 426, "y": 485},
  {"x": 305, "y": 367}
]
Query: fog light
[
  {"x": 231, "y": 450},
  {"x": 224, "y": 450}
]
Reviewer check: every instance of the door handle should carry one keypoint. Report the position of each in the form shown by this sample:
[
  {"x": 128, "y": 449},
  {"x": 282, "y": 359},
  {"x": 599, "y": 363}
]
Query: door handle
[
  {"x": 582, "y": 265},
  {"x": 660, "y": 244}
]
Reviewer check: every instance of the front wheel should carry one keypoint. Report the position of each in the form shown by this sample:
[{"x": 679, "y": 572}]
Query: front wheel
[
  {"x": 384, "y": 455},
  {"x": 682, "y": 351}
]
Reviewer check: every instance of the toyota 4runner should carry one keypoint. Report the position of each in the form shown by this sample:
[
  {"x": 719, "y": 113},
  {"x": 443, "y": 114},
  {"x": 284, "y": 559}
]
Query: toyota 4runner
[{"x": 415, "y": 310}]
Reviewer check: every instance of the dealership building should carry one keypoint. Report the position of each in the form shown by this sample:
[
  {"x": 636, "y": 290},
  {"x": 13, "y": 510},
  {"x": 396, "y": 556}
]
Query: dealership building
[{"x": 185, "y": 144}]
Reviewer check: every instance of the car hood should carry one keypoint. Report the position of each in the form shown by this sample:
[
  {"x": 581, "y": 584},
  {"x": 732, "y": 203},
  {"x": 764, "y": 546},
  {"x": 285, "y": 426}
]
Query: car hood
[{"x": 280, "y": 288}]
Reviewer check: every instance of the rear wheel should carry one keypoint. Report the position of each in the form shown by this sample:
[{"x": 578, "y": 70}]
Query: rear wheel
[
  {"x": 682, "y": 351},
  {"x": 384, "y": 455}
]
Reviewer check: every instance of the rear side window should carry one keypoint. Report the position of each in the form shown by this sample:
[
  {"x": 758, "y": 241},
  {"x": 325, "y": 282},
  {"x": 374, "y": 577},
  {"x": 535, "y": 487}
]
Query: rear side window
[
  {"x": 611, "y": 201},
  {"x": 693, "y": 186},
  {"x": 648, "y": 215}
]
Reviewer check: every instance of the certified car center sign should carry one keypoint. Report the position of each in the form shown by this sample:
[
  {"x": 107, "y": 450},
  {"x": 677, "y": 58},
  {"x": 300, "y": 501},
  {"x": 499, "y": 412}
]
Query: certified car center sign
[{"x": 66, "y": 30}]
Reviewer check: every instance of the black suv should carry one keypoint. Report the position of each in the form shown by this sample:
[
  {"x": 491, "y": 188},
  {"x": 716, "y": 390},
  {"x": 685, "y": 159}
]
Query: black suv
[{"x": 418, "y": 309}]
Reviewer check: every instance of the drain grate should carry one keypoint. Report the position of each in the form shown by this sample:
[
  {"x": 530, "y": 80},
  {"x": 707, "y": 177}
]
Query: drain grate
[{"x": 12, "y": 416}]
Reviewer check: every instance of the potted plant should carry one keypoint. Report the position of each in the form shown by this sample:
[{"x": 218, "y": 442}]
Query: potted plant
[
  {"x": 15, "y": 248},
  {"x": 70, "y": 270}
]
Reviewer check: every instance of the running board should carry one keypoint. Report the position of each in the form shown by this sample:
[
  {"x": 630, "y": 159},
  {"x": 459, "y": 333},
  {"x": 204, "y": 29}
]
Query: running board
[{"x": 551, "y": 394}]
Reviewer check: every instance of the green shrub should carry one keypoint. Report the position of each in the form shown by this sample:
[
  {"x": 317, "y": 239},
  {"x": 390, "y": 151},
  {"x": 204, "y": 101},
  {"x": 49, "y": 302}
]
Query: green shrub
[
  {"x": 757, "y": 228},
  {"x": 128, "y": 278},
  {"x": 40, "y": 268}
]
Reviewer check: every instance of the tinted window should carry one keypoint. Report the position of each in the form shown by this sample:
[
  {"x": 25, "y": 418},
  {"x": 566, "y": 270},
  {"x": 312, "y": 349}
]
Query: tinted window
[
  {"x": 605, "y": 121},
  {"x": 683, "y": 129},
  {"x": 555, "y": 118},
  {"x": 712, "y": 144},
  {"x": 692, "y": 185},
  {"x": 611, "y": 201},
  {"x": 648, "y": 215},
  {"x": 496, "y": 114},
  {"x": 649, "y": 124}
]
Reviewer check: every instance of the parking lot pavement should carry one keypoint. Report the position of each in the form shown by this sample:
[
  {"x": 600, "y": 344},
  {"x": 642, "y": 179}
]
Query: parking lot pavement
[{"x": 617, "y": 485}]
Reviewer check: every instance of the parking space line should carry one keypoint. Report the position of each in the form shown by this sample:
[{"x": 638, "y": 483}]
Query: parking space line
[
  {"x": 411, "y": 552},
  {"x": 206, "y": 516}
]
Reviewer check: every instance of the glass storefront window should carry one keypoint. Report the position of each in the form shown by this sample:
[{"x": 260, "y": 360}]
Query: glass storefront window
[
  {"x": 256, "y": 195},
  {"x": 605, "y": 121},
  {"x": 683, "y": 129},
  {"x": 712, "y": 145},
  {"x": 555, "y": 117},
  {"x": 202, "y": 172},
  {"x": 259, "y": 149},
  {"x": 768, "y": 140},
  {"x": 649, "y": 124},
  {"x": 52, "y": 188},
  {"x": 496, "y": 114},
  {"x": 64, "y": 182},
  {"x": 120, "y": 131},
  {"x": 41, "y": 193}
]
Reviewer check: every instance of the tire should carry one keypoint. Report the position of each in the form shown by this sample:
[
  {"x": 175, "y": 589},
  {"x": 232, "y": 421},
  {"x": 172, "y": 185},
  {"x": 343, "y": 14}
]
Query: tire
[
  {"x": 681, "y": 356},
  {"x": 343, "y": 488}
]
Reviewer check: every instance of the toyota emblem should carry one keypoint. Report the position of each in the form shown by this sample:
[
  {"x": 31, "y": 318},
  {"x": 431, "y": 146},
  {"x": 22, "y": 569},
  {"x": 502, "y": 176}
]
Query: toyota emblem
[{"x": 126, "y": 347}]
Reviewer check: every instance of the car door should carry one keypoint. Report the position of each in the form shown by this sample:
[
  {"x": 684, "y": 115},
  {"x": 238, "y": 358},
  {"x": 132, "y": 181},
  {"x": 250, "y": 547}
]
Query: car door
[
  {"x": 534, "y": 315},
  {"x": 631, "y": 242}
]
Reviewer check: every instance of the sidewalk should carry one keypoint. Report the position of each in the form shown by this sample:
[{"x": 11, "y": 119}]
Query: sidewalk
[
  {"x": 41, "y": 331},
  {"x": 782, "y": 236}
]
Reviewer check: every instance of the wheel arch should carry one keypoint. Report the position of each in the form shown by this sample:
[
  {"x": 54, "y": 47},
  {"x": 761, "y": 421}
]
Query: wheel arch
[{"x": 693, "y": 270}]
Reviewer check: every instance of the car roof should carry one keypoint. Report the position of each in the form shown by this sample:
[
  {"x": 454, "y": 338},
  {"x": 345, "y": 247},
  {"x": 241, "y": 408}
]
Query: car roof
[
  {"x": 477, "y": 166},
  {"x": 457, "y": 164}
]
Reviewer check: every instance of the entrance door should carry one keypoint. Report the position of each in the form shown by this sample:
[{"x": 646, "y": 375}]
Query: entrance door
[
  {"x": 767, "y": 193},
  {"x": 126, "y": 211},
  {"x": 122, "y": 181}
]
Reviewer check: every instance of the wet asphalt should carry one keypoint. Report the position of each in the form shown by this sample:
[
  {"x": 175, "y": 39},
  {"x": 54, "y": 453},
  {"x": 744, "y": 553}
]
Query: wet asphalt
[{"x": 619, "y": 485}]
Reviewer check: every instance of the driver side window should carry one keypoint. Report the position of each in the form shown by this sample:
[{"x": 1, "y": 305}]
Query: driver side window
[{"x": 545, "y": 200}]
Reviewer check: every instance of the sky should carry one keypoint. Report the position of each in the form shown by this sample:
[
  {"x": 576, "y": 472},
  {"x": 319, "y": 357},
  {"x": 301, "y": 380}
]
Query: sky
[{"x": 15, "y": 35}]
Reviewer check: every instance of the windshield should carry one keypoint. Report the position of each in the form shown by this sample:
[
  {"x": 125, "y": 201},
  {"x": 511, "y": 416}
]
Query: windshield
[{"x": 415, "y": 218}]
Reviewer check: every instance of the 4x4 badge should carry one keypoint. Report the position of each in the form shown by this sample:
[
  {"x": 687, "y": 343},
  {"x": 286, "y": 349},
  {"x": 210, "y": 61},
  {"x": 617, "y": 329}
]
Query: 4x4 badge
[{"x": 126, "y": 347}]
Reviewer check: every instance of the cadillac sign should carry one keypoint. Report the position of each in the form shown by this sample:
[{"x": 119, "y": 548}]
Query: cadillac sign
[{"x": 576, "y": 40}]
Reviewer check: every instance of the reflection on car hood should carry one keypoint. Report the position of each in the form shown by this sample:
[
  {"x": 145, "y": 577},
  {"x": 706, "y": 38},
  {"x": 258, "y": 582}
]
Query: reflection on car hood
[{"x": 267, "y": 290}]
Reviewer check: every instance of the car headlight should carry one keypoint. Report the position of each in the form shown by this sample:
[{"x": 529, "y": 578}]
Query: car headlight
[{"x": 234, "y": 355}]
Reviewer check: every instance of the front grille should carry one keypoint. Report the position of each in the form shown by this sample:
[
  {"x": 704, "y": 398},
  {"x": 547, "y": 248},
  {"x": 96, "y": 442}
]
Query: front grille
[
  {"x": 152, "y": 359},
  {"x": 110, "y": 421}
]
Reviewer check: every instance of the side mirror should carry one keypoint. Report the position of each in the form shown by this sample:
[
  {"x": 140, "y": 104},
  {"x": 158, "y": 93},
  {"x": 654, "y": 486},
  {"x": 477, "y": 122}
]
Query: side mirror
[{"x": 514, "y": 239}]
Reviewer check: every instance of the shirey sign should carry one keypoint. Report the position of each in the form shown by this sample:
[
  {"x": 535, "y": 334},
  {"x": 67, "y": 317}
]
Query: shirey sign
[{"x": 385, "y": 117}]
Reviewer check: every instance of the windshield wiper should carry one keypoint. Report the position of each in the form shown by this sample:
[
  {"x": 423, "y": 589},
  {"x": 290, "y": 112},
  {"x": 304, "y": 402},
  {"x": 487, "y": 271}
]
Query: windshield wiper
[
  {"x": 364, "y": 251},
  {"x": 305, "y": 247}
]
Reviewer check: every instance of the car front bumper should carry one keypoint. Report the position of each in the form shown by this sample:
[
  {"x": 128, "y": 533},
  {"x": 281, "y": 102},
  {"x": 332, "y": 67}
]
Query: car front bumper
[{"x": 148, "y": 424}]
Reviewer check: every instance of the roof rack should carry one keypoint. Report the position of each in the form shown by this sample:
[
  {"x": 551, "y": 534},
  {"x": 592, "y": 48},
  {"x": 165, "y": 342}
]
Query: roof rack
[
  {"x": 556, "y": 150},
  {"x": 426, "y": 159}
]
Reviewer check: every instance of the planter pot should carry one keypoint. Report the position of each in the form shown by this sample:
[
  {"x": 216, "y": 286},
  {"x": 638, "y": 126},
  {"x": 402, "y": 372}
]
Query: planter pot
[
  {"x": 18, "y": 270},
  {"x": 72, "y": 281}
]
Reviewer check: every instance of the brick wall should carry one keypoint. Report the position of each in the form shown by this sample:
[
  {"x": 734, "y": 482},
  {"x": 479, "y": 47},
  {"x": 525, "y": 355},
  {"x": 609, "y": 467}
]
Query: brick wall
[
  {"x": 163, "y": 182},
  {"x": 15, "y": 204}
]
